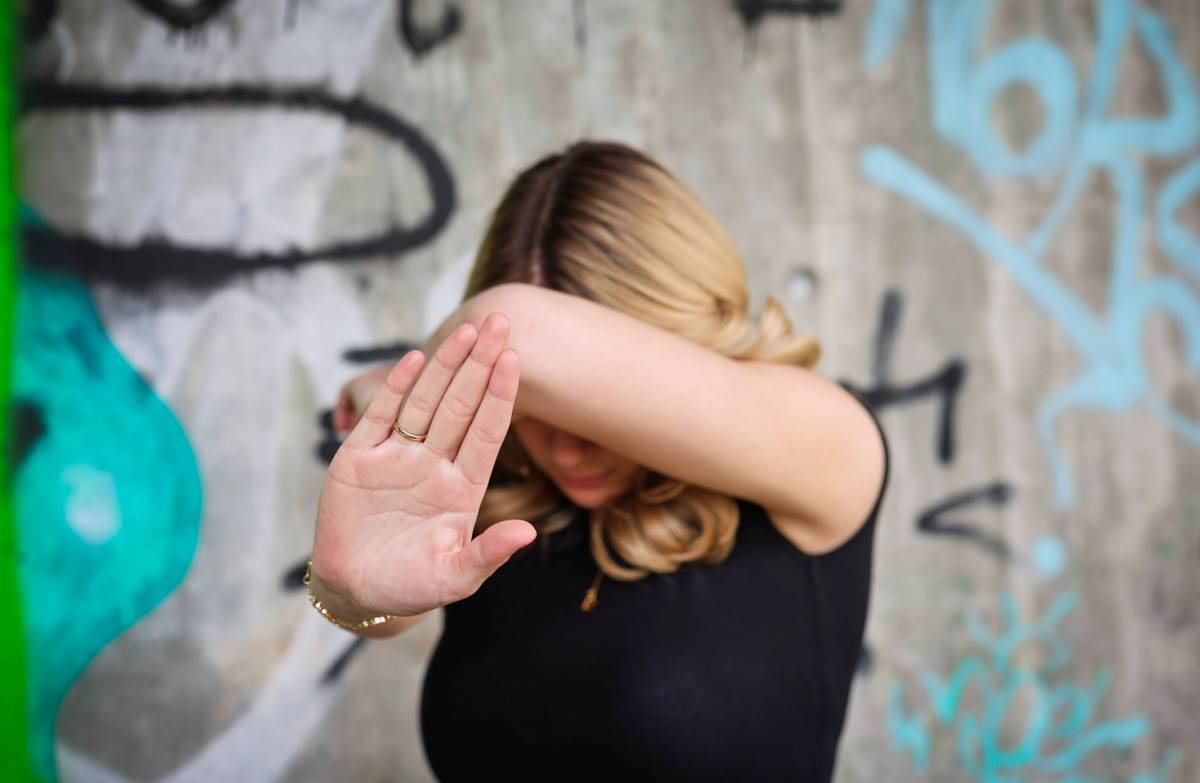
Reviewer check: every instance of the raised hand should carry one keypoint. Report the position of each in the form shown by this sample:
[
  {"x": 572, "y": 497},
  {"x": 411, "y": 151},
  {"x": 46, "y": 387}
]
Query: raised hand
[{"x": 396, "y": 517}]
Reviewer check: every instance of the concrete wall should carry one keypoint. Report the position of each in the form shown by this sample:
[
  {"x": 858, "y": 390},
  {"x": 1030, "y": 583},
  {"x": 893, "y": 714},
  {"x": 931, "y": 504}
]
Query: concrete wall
[{"x": 989, "y": 213}]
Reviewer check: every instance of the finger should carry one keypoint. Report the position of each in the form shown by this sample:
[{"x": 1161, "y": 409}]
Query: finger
[
  {"x": 489, "y": 550},
  {"x": 418, "y": 409},
  {"x": 380, "y": 416},
  {"x": 341, "y": 414},
  {"x": 467, "y": 389},
  {"x": 477, "y": 456}
]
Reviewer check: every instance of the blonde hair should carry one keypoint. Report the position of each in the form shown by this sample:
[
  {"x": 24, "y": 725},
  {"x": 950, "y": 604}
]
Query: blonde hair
[{"x": 605, "y": 222}]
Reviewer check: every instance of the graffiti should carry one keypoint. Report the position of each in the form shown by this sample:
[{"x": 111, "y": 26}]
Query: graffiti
[
  {"x": 189, "y": 17},
  {"x": 301, "y": 682},
  {"x": 963, "y": 90},
  {"x": 946, "y": 385},
  {"x": 866, "y": 660},
  {"x": 157, "y": 258},
  {"x": 1019, "y": 665},
  {"x": 379, "y": 353},
  {"x": 931, "y": 521},
  {"x": 753, "y": 11},
  {"x": 50, "y": 49},
  {"x": 36, "y": 18},
  {"x": 1178, "y": 243},
  {"x": 1049, "y": 556},
  {"x": 110, "y": 494},
  {"x": 293, "y": 577},
  {"x": 183, "y": 16},
  {"x": 316, "y": 655},
  {"x": 329, "y": 443},
  {"x": 579, "y": 24},
  {"x": 28, "y": 427},
  {"x": 420, "y": 41},
  {"x": 284, "y": 716},
  {"x": 1053, "y": 732}
]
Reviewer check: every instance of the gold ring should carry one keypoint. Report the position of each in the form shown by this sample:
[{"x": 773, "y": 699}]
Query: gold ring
[{"x": 408, "y": 435}]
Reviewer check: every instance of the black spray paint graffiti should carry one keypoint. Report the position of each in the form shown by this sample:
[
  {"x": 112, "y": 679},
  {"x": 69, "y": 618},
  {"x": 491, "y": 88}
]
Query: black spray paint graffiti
[
  {"x": 28, "y": 426},
  {"x": 421, "y": 40},
  {"x": 36, "y": 16},
  {"x": 946, "y": 384},
  {"x": 330, "y": 442},
  {"x": 997, "y": 494},
  {"x": 753, "y": 11},
  {"x": 378, "y": 353},
  {"x": 157, "y": 258},
  {"x": 579, "y": 24},
  {"x": 866, "y": 660},
  {"x": 189, "y": 17},
  {"x": 183, "y": 16}
]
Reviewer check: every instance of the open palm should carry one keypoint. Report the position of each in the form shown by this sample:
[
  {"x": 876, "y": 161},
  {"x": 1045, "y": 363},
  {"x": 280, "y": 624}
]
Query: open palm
[{"x": 396, "y": 516}]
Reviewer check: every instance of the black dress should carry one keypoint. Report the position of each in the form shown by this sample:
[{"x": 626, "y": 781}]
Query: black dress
[{"x": 734, "y": 672}]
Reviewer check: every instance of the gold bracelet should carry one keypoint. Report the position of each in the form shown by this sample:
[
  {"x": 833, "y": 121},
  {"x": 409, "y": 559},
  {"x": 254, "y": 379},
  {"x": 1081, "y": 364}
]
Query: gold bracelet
[{"x": 360, "y": 625}]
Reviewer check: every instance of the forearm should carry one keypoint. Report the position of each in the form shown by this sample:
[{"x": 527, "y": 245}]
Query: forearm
[
  {"x": 376, "y": 376},
  {"x": 464, "y": 313},
  {"x": 664, "y": 401},
  {"x": 358, "y": 392},
  {"x": 601, "y": 374},
  {"x": 475, "y": 311}
]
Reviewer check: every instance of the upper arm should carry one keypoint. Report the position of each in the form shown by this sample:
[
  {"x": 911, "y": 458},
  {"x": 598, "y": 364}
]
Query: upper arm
[{"x": 836, "y": 458}]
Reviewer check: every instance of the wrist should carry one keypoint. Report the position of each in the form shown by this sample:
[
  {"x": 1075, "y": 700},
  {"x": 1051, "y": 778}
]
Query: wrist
[{"x": 339, "y": 608}]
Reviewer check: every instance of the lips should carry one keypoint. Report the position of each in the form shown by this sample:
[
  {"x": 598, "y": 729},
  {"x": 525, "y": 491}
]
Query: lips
[{"x": 585, "y": 480}]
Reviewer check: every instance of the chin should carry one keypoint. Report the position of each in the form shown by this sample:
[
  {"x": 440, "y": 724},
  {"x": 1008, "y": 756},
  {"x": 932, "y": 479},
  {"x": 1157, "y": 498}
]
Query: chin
[
  {"x": 585, "y": 498},
  {"x": 588, "y": 498}
]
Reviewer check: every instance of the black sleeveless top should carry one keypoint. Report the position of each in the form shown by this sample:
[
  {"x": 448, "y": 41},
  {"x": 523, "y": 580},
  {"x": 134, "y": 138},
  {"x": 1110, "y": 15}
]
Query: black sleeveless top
[{"x": 735, "y": 672}]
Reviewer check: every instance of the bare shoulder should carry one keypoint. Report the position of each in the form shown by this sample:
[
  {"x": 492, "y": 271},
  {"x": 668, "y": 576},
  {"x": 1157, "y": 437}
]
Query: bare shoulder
[{"x": 844, "y": 517}]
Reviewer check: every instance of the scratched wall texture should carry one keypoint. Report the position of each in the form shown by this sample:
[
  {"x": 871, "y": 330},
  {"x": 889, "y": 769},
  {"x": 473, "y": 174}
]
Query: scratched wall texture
[{"x": 988, "y": 211}]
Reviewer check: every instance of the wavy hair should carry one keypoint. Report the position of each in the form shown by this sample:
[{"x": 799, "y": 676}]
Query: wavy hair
[{"x": 605, "y": 222}]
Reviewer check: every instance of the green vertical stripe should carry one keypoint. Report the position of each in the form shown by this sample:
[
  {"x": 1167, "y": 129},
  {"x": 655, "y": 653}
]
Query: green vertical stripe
[{"x": 14, "y": 729}]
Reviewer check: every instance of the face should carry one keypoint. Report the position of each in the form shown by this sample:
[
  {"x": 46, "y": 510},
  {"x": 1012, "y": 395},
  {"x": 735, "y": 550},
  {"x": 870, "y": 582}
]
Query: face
[{"x": 561, "y": 456}]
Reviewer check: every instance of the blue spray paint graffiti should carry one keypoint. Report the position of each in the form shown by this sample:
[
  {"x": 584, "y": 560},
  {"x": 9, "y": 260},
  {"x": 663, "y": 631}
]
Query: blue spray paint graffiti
[
  {"x": 1182, "y": 247},
  {"x": 108, "y": 497},
  {"x": 963, "y": 90},
  {"x": 1058, "y": 734}
]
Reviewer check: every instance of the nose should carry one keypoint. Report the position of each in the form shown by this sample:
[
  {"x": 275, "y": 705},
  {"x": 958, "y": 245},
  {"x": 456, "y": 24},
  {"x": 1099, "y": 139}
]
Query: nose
[{"x": 568, "y": 449}]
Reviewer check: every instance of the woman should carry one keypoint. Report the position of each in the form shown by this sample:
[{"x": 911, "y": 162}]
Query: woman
[{"x": 704, "y": 503}]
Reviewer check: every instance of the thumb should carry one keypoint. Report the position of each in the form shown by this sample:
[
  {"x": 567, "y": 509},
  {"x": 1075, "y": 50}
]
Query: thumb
[{"x": 491, "y": 549}]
